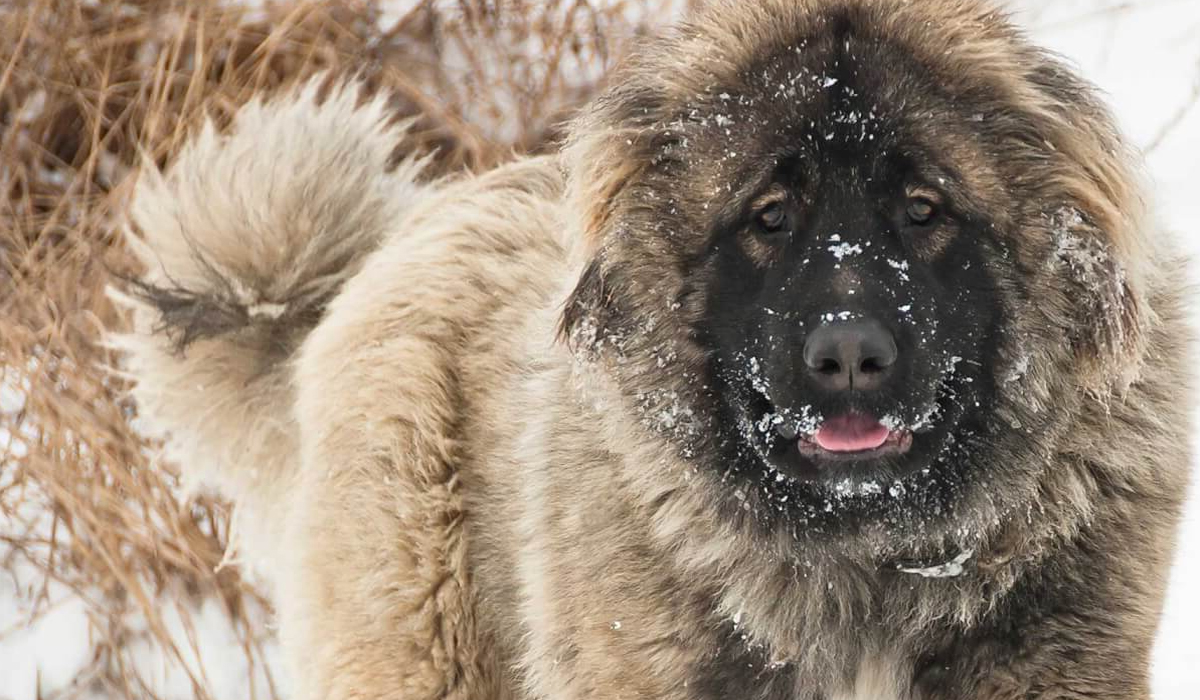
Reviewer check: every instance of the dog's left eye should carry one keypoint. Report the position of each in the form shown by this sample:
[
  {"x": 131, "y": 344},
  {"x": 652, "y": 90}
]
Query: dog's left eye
[{"x": 773, "y": 218}]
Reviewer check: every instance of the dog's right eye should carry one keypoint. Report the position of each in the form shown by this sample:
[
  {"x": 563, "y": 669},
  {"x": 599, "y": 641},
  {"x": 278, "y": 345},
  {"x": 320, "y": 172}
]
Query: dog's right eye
[
  {"x": 772, "y": 219},
  {"x": 921, "y": 211}
]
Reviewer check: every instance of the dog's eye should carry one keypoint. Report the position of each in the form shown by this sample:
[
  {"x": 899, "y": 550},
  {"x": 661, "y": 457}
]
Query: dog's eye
[
  {"x": 921, "y": 211},
  {"x": 773, "y": 218}
]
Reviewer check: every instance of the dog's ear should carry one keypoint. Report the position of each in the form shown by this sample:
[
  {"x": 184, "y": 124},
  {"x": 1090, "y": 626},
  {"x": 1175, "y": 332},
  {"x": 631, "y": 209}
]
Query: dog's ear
[
  {"x": 1114, "y": 309},
  {"x": 1100, "y": 238},
  {"x": 610, "y": 146},
  {"x": 602, "y": 167},
  {"x": 1106, "y": 303}
]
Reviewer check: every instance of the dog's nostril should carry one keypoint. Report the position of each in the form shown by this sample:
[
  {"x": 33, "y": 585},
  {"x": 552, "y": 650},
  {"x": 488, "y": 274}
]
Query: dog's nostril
[
  {"x": 870, "y": 366},
  {"x": 829, "y": 366}
]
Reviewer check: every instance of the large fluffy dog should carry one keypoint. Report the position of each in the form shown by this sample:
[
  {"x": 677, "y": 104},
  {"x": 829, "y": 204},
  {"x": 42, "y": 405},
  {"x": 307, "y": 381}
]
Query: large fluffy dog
[{"x": 835, "y": 356}]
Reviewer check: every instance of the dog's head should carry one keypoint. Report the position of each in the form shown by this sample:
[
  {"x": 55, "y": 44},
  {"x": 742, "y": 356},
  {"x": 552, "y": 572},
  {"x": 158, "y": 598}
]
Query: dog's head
[{"x": 855, "y": 261}]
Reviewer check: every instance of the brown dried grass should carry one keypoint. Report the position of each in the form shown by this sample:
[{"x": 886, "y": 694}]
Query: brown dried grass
[{"x": 85, "y": 88}]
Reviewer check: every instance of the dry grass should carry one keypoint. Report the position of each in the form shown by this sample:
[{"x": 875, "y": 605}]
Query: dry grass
[{"x": 85, "y": 88}]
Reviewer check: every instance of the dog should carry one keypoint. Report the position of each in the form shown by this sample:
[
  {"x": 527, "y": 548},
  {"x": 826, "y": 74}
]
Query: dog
[{"x": 835, "y": 355}]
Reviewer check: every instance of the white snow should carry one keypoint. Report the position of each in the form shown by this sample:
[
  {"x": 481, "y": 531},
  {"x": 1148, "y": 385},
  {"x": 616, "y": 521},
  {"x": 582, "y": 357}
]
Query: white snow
[
  {"x": 1144, "y": 53},
  {"x": 842, "y": 250},
  {"x": 44, "y": 647},
  {"x": 25, "y": 651},
  {"x": 950, "y": 569}
]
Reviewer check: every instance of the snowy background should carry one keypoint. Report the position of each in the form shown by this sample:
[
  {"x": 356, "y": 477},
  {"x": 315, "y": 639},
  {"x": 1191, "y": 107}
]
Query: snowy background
[{"x": 1145, "y": 54}]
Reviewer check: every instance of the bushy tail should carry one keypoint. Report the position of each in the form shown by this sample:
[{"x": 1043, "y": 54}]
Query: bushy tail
[{"x": 245, "y": 239}]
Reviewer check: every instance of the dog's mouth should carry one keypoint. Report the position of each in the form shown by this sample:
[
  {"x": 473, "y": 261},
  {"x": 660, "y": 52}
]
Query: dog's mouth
[
  {"x": 850, "y": 437},
  {"x": 866, "y": 438},
  {"x": 854, "y": 443}
]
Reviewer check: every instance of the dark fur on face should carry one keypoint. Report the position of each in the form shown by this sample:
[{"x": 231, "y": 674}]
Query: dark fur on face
[
  {"x": 857, "y": 136},
  {"x": 841, "y": 130}
]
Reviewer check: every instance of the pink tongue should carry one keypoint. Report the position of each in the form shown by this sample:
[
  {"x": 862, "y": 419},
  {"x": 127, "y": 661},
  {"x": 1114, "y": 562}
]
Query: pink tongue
[{"x": 852, "y": 432}]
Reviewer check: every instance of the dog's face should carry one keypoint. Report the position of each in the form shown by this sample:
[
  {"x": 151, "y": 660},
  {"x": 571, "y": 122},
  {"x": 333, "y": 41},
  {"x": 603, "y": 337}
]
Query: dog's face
[
  {"x": 823, "y": 267},
  {"x": 852, "y": 311}
]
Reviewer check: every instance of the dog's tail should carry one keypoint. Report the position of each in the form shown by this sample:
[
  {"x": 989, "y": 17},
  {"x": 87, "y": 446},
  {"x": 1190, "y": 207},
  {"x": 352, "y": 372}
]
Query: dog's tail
[{"x": 245, "y": 239}]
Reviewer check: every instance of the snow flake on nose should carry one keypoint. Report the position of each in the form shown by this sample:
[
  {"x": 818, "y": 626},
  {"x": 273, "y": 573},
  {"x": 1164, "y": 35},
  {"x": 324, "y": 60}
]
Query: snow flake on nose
[
  {"x": 844, "y": 250},
  {"x": 841, "y": 249},
  {"x": 838, "y": 316},
  {"x": 901, "y": 268}
]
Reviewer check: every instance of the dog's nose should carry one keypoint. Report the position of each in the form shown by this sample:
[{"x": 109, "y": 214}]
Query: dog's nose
[{"x": 856, "y": 355}]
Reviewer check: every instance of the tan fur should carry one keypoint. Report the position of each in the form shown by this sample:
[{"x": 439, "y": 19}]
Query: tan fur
[{"x": 419, "y": 397}]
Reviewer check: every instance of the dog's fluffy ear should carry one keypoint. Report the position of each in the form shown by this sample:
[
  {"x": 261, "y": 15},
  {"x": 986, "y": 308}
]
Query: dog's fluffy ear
[
  {"x": 1103, "y": 234},
  {"x": 1105, "y": 301},
  {"x": 610, "y": 146}
]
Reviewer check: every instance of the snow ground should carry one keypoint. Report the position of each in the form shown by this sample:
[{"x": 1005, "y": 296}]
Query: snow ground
[{"x": 1144, "y": 53}]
